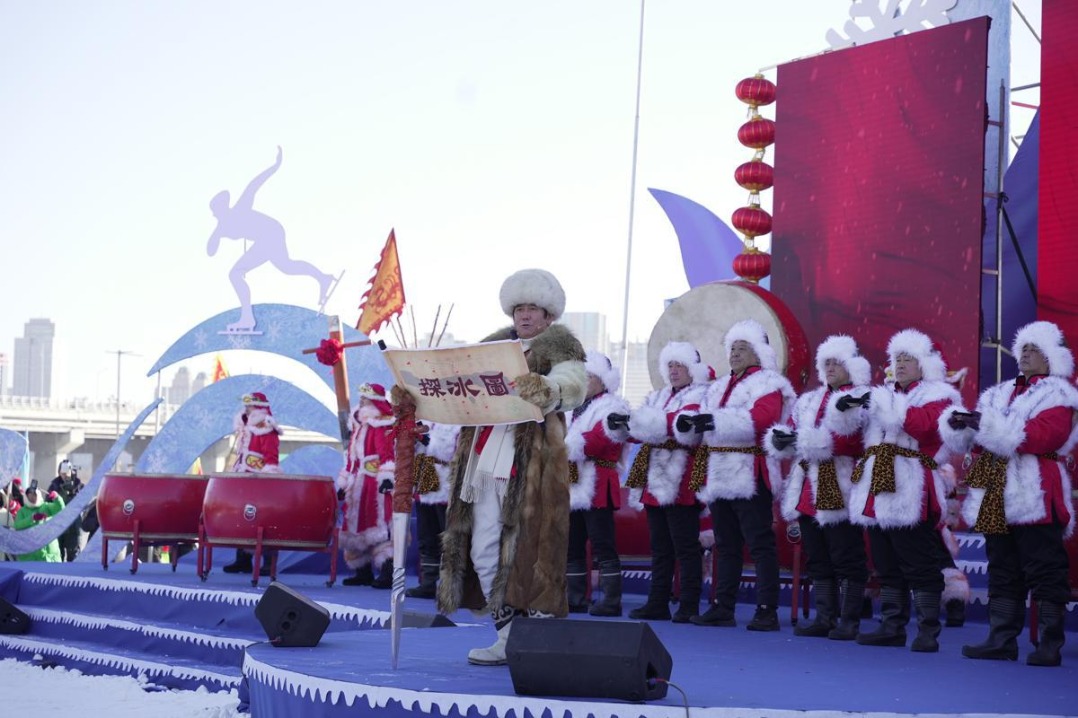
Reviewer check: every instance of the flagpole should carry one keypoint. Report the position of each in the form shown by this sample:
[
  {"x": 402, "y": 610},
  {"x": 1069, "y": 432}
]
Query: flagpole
[{"x": 632, "y": 209}]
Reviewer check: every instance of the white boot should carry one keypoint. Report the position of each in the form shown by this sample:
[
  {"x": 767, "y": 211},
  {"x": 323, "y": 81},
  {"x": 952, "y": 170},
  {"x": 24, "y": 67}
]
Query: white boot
[{"x": 493, "y": 655}]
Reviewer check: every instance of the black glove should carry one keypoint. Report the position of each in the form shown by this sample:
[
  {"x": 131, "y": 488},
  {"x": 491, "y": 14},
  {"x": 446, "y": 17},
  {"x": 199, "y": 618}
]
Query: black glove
[
  {"x": 974, "y": 420},
  {"x": 846, "y": 402},
  {"x": 965, "y": 420},
  {"x": 684, "y": 423},
  {"x": 340, "y": 494},
  {"x": 781, "y": 439},
  {"x": 617, "y": 421},
  {"x": 704, "y": 422},
  {"x": 866, "y": 399},
  {"x": 386, "y": 487},
  {"x": 424, "y": 439}
]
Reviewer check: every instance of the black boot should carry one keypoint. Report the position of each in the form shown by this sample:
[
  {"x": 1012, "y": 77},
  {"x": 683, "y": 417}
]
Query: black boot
[
  {"x": 956, "y": 613},
  {"x": 428, "y": 579},
  {"x": 766, "y": 618},
  {"x": 1006, "y": 616},
  {"x": 576, "y": 586},
  {"x": 927, "y": 605},
  {"x": 1050, "y": 616},
  {"x": 242, "y": 564},
  {"x": 716, "y": 615},
  {"x": 364, "y": 577},
  {"x": 657, "y": 607},
  {"x": 610, "y": 583},
  {"x": 826, "y": 591},
  {"x": 267, "y": 565},
  {"x": 385, "y": 575},
  {"x": 895, "y": 614},
  {"x": 849, "y": 622},
  {"x": 692, "y": 579}
]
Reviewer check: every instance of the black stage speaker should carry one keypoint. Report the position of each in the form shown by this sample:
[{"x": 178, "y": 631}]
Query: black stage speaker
[
  {"x": 12, "y": 620},
  {"x": 290, "y": 619},
  {"x": 587, "y": 659}
]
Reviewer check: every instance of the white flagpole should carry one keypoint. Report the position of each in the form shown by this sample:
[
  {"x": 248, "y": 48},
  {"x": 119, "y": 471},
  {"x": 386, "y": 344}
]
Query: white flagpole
[{"x": 632, "y": 208}]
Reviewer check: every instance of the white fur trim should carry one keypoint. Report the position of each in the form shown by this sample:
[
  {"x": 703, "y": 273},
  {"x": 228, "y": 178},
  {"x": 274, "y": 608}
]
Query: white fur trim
[
  {"x": 688, "y": 356},
  {"x": 845, "y": 423},
  {"x": 1048, "y": 338},
  {"x": 844, "y": 349},
  {"x": 788, "y": 453},
  {"x": 731, "y": 475},
  {"x": 649, "y": 425},
  {"x": 955, "y": 585},
  {"x": 919, "y": 346},
  {"x": 1001, "y": 433},
  {"x": 815, "y": 443},
  {"x": 957, "y": 441},
  {"x": 751, "y": 331},
  {"x": 532, "y": 286},
  {"x": 599, "y": 364},
  {"x": 582, "y": 493},
  {"x": 569, "y": 381}
]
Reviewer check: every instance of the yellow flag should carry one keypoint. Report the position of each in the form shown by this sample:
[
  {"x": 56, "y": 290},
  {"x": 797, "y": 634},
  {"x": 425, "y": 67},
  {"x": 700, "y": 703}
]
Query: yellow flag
[
  {"x": 386, "y": 294},
  {"x": 219, "y": 370}
]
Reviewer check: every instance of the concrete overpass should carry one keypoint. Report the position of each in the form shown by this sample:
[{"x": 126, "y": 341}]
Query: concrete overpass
[{"x": 84, "y": 431}]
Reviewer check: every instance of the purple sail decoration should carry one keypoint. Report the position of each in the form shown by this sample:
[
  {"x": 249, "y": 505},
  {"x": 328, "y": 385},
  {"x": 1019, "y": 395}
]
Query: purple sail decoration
[{"x": 708, "y": 245}]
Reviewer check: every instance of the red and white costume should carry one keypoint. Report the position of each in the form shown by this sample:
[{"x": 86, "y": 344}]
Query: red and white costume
[
  {"x": 369, "y": 461},
  {"x": 440, "y": 448},
  {"x": 597, "y": 451},
  {"x": 258, "y": 437}
]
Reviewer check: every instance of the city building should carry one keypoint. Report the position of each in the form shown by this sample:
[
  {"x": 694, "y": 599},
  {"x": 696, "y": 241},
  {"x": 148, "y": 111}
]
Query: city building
[{"x": 32, "y": 371}]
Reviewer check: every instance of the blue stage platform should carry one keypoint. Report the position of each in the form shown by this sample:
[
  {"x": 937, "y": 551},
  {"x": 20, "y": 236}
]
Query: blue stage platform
[{"x": 181, "y": 632}]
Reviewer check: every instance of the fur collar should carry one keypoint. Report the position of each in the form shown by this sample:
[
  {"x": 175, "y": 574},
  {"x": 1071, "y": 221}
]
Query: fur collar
[{"x": 750, "y": 388}]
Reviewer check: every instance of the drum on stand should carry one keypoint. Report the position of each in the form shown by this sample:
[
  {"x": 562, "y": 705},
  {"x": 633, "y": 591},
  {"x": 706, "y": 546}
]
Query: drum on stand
[
  {"x": 260, "y": 511},
  {"x": 703, "y": 315},
  {"x": 149, "y": 510}
]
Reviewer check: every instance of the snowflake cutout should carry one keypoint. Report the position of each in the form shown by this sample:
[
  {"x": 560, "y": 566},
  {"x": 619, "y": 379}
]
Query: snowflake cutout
[
  {"x": 896, "y": 17},
  {"x": 239, "y": 341},
  {"x": 274, "y": 332},
  {"x": 201, "y": 339}
]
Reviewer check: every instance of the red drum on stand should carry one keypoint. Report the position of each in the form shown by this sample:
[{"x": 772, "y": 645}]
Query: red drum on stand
[
  {"x": 705, "y": 313},
  {"x": 266, "y": 510},
  {"x": 149, "y": 510}
]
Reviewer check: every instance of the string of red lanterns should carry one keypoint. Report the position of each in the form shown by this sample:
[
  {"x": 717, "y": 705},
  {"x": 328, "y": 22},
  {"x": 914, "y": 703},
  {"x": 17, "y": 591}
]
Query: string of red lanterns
[{"x": 758, "y": 134}]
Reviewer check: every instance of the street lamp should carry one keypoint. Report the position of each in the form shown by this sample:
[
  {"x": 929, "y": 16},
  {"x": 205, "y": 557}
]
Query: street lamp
[{"x": 119, "y": 355}]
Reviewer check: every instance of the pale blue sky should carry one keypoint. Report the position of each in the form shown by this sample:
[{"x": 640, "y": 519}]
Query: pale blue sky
[{"x": 493, "y": 135}]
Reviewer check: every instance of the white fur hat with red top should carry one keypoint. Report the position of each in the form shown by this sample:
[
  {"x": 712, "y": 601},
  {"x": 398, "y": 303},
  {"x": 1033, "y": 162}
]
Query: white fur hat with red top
[
  {"x": 752, "y": 332},
  {"x": 685, "y": 354},
  {"x": 377, "y": 395},
  {"x": 1048, "y": 339},
  {"x": 919, "y": 346},
  {"x": 599, "y": 364},
  {"x": 843, "y": 349}
]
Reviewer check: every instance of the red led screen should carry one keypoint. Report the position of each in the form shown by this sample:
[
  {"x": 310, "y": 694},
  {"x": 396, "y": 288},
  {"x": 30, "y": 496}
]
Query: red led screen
[{"x": 879, "y": 157}]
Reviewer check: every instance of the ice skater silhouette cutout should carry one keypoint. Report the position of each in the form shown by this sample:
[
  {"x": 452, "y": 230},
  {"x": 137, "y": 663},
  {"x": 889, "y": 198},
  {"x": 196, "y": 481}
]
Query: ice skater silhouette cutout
[{"x": 267, "y": 238}]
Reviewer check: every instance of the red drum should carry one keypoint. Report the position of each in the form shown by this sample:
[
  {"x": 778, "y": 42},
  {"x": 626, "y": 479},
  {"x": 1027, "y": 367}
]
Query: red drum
[
  {"x": 704, "y": 314},
  {"x": 149, "y": 509},
  {"x": 295, "y": 512}
]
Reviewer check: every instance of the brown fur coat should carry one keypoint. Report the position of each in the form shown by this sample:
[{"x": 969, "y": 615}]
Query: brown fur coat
[{"x": 535, "y": 511}]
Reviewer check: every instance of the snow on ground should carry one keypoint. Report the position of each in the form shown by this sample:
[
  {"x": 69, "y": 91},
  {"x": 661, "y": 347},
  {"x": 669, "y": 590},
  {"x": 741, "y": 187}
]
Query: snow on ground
[{"x": 29, "y": 690}]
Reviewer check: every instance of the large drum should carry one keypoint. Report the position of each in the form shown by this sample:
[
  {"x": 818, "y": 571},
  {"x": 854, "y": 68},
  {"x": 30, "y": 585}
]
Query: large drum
[
  {"x": 149, "y": 509},
  {"x": 704, "y": 314},
  {"x": 292, "y": 511}
]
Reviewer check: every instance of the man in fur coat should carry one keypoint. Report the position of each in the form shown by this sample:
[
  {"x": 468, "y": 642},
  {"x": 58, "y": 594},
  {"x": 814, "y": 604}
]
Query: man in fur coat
[
  {"x": 734, "y": 477},
  {"x": 823, "y": 437},
  {"x": 659, "y": 478},
  {"x": 1020, "y": 491},
  {"x": 434, "y": 451},
  {"x": 507, "y": 527},
  {"x": 899, "y": 492},
  {"x": 366, "y": 487},
  {"x": 596, "y": 452},
  {"x": 256, "y": 450}
]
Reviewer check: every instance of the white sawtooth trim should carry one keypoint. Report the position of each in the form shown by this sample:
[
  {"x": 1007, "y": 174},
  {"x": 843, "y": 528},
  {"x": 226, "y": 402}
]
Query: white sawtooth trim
[{"x": 82, "y": 620}]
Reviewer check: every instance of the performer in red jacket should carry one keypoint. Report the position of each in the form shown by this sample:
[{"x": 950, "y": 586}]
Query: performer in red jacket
[
  {"x": 1020, "y": 491},
  {"x": 257, "y": 448},
  {"x": 366, "y": 486},
  {"x": 734, "y": 477},
  {"x": 823, "y": 437},
  {"x": 595, "y": 459},
  {"x": 659, "y": 478},
  {"x": 899, "y": 492}
]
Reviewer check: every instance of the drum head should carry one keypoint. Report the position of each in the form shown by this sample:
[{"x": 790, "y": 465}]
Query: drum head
[{"x": 704, "y": 314}]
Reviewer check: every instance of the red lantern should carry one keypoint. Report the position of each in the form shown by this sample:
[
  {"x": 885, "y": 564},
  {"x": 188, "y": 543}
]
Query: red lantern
[
  {"x": 752, "y": 265},
  {"x": 755, "y": 176},
  {"x": 757, "y": 133},
  {"x": 756, "y": 91},
  {"x": 752, "y": 221}
]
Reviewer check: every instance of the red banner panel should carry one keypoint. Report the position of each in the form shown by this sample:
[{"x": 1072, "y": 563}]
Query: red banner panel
[
  {"x": 878, "y": 191},
  {"x": 1057, "y": 245}
]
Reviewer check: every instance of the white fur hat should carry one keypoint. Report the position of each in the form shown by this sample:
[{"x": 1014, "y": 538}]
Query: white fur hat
[
  {"x": 685, "y": 354},
  {"x": 844, "y": 349},
  {"x": 1048, "y": 338},
  {"x": 533, "y": 286},
  {"x": 920, "y": 347},
  {"x": 600, "y": 365},
  {"x": 751, "y": 331}
]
